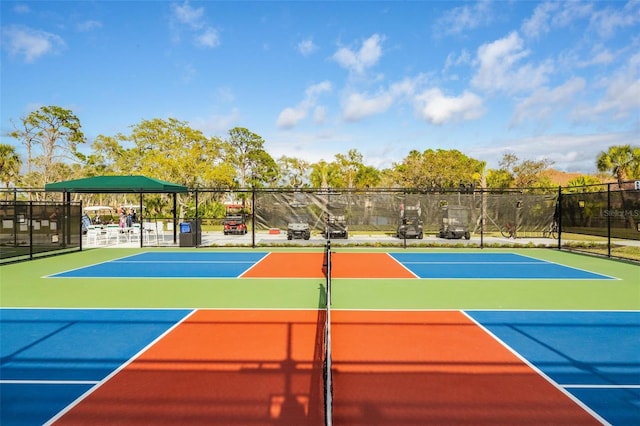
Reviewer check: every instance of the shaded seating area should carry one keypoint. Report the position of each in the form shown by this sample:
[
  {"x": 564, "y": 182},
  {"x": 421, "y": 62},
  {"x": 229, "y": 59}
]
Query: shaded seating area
[{"x": 144, "y": 231}]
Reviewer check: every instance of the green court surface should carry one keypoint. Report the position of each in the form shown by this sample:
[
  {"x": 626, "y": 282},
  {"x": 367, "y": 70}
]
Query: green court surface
[
  {"x": 27, "y": 285},
  {"x": 241, "y": 336}
]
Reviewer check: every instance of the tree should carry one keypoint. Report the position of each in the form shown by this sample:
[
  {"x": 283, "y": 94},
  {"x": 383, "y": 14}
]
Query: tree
[
  {"x": 10, "y": 164},
  {"x": 245, "y": 151},
  {"x": 294, "y": 172},
  {"x": 53, "y": 134},
  {"x": 324, "y": 175},
  {"x": 367, "y": 177},
  {"x": 622, "y": 161},
  {"x": 515, "y": 173},
  {"x": 499, "y": 179},
  {"x": 439, "y": 169},
  {"x": 169, "y": 150},
  {"x": 584, "y": 183},
  {"x": 353, "y": 173}
]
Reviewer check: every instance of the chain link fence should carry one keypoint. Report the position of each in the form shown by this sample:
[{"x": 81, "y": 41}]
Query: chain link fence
[
  {"x": 598, "y": 219},
  {"x": 30, "y": 229}
]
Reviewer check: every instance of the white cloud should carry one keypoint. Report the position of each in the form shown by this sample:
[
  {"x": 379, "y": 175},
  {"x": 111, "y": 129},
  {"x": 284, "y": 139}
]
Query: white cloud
[
  {"x": 30, "y": 43},
  {"x": 88, "y": 25},
  {"x": 545, "y": 102},
  {"x": 208, "y": 38},
  {"x": 569, "y": 152},
  {"x": 433, "y": 106},
  {"x": 609, "y": 20},
  {"x": 454, "y": 60},
  {"x": 357, "y": 61},
  {"x": 621, "y": 99},
  {"x": 500, "y": 67},
  {"x": 21, "y": 8},
  {"x": 357, "y": 106},
  {"x": 217, "y": 124},
  {"x": 554, "y": 14},
  {"x": 307, "y": 47},
  {"x": 187, "y": 15},
  {"x": 464, "y": 18},
  {"x": 539, "y": 22},
  {"x": 291, "y": 116},
  {"x": 192, "y": 19},
  {"x": 319, "y": 114}
]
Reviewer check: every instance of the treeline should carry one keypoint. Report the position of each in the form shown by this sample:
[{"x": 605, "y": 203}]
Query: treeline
[{"x": 169, "y": 149}]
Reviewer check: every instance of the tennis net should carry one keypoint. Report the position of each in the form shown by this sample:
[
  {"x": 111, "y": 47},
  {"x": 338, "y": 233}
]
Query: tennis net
[{"x": 328, "y": 379}]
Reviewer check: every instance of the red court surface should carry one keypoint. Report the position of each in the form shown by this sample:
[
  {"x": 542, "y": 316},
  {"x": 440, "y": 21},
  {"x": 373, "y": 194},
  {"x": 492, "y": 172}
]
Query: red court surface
[
  {"x": 344, "y": 265},
  {"x": 436, "y": 367},
  {"x": 236, "y": 367}
]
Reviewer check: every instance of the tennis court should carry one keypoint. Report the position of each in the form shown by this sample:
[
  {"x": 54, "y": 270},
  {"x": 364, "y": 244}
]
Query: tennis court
[{"x": 124, "y": 336}]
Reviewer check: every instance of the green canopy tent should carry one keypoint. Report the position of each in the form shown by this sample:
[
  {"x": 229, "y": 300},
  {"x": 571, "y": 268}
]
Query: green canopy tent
[{"x": 118, "y": 185}]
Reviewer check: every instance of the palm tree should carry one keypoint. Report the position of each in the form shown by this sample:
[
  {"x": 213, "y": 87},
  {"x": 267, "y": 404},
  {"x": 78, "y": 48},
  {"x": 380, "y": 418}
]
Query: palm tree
[
  {"x": 622, "y": 162},
  {"x": 10, "y": 164},
  {"x": 619, "y": 161}
]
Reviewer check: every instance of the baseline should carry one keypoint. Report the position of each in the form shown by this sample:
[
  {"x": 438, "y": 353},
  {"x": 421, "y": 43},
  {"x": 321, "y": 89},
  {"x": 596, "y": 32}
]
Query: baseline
[{"x": 489, "y": 266}]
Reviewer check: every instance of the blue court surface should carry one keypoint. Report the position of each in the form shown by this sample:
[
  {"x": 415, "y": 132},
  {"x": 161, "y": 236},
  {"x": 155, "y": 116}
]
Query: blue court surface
[
  {"x": 422, "y": 265},
  {"x": 488, "y": 266},
  {"x": 51, "y": 357},
  {"x": 595, "y": 356},
  {"x": 171, "y": 265}
]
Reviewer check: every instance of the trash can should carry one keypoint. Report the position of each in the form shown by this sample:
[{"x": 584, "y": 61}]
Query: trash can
[{"x": 190, "y": 233}]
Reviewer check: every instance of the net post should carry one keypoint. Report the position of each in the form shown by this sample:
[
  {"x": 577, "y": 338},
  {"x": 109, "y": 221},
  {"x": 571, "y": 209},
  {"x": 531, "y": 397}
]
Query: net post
[{"x": 328, "y": 387}]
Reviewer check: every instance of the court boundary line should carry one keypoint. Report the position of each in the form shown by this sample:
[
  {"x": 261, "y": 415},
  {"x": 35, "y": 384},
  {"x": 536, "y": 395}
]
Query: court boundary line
[
  {"x": 88, "y": 266},
  {"x": 555, "y": 384},
  {"x": 255, "y": 264},
  {"x": 570, "y": 267},
  {"x": 244, "y": 308},
  {"x": 587, "y": 386},
  {"x": 597, "y": 275},
  {"x": 104, "y": 380},
  {"x": 415, "y": 276},
  {"x": 120, "y": 259},
  {"x": 49, "y": 382}
]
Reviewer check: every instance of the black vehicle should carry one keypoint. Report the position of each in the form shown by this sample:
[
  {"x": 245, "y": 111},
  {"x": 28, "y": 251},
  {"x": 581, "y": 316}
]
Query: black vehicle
[
  {"x": 455, "y": 222},
  {"x": 336, "y": 227},
  {"x": 410, "y": 223}
]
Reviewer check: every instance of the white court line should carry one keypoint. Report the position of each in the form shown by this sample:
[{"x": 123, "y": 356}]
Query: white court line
[
  {"x": 184, "y": 261},
  {"x": 49, "y": 382},
  {"x": 601, "y": 386},
  {"x": 402, "y": 264}
]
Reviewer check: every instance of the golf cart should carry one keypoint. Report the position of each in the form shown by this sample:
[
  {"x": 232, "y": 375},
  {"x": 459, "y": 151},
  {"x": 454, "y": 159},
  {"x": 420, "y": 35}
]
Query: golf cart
[
  {"x": 336, "y": 227},
  {"x": 235, "y": 221},
  {"x": 336, "y": 222},
  {"x": 455, "y": 222},
  {"x": 298, "y": 225},
  {"x": 101, "y": 215},
  {"x": 410, "y": 222}
]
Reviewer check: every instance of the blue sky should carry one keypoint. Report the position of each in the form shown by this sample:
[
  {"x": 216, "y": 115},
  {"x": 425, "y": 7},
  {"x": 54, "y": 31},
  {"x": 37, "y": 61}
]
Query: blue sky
[{"x": 554, "y": 80}]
